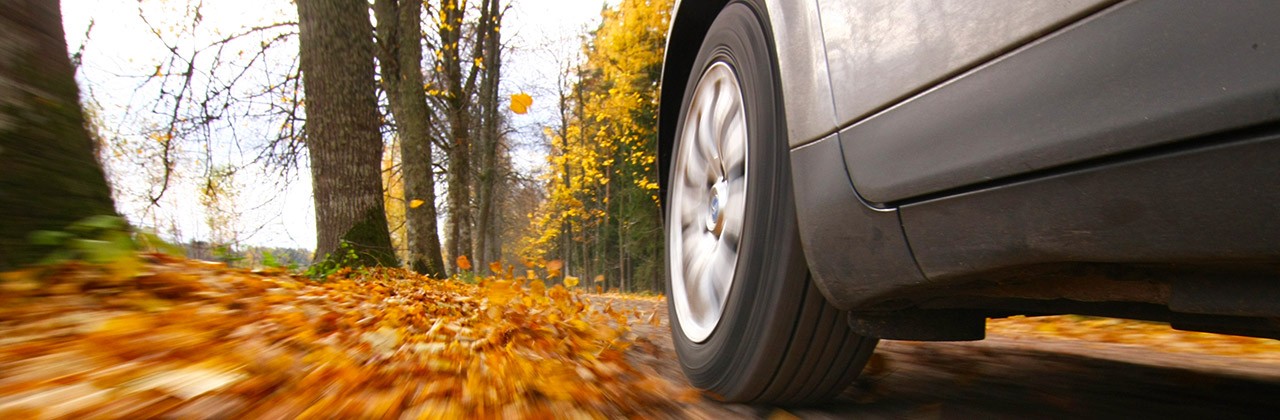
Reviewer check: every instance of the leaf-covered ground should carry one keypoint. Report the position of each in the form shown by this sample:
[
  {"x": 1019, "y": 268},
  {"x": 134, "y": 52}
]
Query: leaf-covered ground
[
  {"x": 187, "y": 339},
  {"x": 192, "y": 339},
  {"x": 1152, "y": 335}
]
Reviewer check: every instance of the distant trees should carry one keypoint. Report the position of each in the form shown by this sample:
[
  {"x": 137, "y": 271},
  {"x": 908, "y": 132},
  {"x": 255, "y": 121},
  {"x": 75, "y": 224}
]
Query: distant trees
[
  {"x": 248, "y": 256},
  {"x": 602, "y": 214},
  {"x": 49, "y": 174}
]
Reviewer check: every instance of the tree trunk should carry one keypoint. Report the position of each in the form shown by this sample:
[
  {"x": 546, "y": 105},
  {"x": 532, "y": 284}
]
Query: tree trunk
[
  {"x": 49, "y": 174},
  {"x": 459, "y": 202},
  {"x": 400, "y": 53},
  {"x": 489, "y": 134},
  {"x": 459, "y": 88},
  {"x": 336, "y": 48}
]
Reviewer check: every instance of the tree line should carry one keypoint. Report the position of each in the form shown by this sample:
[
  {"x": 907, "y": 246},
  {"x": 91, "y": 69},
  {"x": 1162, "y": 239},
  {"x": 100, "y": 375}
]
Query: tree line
[
  {"x": 602, "y": 217},
  {"x": 389, "y": 102}
]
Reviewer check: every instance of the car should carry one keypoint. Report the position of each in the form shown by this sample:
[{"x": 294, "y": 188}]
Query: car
[{"x": 838, "y": 172}]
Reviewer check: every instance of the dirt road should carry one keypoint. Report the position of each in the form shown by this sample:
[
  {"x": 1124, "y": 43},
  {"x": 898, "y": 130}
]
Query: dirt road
[{"x": 1020, "y": 377}]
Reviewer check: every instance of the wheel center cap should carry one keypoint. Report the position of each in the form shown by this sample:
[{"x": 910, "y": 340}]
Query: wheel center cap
[{"x": 715, "y": 214}]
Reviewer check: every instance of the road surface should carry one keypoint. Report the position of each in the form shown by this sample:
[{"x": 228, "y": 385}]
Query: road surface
[{"x": 1017, "y": 378}]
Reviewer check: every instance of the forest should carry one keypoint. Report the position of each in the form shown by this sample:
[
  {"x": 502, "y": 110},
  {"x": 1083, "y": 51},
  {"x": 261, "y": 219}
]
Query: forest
[
  {"x": 399, "y": 115},
  {"x": 139, "y": 279}
]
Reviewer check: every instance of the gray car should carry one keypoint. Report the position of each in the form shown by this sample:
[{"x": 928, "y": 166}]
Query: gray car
[{"x": 844, "y": 171}]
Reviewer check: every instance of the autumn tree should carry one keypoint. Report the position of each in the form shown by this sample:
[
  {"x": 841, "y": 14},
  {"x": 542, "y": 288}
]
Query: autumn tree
[
  {"x": 219, "y": 196},
  {"x": 214, "y": 91},
  {"x": 487, "y": 244},
  {"x": 400, "y": 57},
  {"x": 466, "y": 73},
  {"x": 458, "y": 88},
  {"x": 601, "y": 214},
  {"x": 49, "y": 175},
  {"x": 343, "y": 138},
  {"x": 393, "y": 199}
]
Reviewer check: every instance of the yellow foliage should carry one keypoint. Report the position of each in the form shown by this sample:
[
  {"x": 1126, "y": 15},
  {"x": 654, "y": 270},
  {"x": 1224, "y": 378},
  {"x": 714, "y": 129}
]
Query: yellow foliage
[
  {"x": 603, "y": 160},
  {"x": 393, "y": 199}
]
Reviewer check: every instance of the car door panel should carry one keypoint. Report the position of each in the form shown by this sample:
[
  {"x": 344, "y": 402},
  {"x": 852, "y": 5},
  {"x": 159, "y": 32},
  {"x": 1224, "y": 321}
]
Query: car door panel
[
  {"x": 1137, "y": 75},
  {"x": 882, "y": 51}
]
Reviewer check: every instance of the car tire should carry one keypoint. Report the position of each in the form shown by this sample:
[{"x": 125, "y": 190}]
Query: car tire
[{"x": 762, "y": 333}]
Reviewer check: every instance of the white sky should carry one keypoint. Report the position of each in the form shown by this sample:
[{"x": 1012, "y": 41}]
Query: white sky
[{"x": 542, "y": 36}]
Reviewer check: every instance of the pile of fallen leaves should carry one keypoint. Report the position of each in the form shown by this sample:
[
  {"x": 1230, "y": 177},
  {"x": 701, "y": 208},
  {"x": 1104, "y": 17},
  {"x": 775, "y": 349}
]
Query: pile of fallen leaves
[
  {"x": 1155, "y": 335},
  {"x": 195, "y": 339}
]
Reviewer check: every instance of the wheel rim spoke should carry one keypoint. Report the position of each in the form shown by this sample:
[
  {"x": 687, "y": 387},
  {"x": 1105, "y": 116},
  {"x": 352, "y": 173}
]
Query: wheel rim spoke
[
  {"x": 707, "y": 208},
  {"x": 734, "y": 212},
  {"x": 705, "y": 142},
  {"x": 734, "y": 153}
]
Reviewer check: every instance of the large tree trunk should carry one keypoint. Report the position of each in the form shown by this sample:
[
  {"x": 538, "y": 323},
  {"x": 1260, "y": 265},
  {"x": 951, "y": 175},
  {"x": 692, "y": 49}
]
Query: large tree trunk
[
  {"x": 485, "y": 248},
  {"x": 336, "y": 48},
  {"x": 400, "y": 53},
  {"x": 49, "y": 174}
]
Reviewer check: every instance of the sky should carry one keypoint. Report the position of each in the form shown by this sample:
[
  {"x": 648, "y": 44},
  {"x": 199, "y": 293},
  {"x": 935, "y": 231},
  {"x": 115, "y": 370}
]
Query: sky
[{"x": 542, "y": 36}]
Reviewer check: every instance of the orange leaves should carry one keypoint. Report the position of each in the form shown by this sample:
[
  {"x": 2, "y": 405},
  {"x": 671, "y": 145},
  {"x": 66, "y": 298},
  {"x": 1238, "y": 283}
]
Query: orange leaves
[
  {"x": 1158, "y": 336},
  {"x": 499, "y": 292},
  {"x": 520, "y": 102},
  {"x": 415, "y": 203},
  {"x": 463, "y": 263},
  {"x": 385, "y": 343},
  {"x": 553, "y": 268}
]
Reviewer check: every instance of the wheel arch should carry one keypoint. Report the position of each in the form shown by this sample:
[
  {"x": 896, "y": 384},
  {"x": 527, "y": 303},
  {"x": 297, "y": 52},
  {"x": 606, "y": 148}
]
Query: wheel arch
[
  {"x": 690, "y": 21},
  {"x": 799, "y": 61}
]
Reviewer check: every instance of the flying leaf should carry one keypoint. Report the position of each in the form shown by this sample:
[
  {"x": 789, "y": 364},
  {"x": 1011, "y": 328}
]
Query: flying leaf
[
  {"x": 553, "y": 268},
  {"x": 570, "y": 281},
  {"x": 520, "y": 103},
  {"x": 463, "y": 263},
  {"x": 413, "y": 204}
]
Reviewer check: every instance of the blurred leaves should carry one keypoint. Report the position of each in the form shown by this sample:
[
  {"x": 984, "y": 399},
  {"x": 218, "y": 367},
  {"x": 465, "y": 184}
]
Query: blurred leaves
[
  {"x": 105, "y": 241},
  {"x": 1156, "y": 335},
  {"x": 195, "y": 339}
]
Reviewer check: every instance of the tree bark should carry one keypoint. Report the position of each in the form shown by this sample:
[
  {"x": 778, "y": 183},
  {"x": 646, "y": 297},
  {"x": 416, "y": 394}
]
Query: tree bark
[
  {"x": 49, "y": 173},
  {"x": 459, "y": 88},
  {"x": 400, "y": 53},
  {"x": 336, "y": 58},
  {"x": 489, "y": 133}
]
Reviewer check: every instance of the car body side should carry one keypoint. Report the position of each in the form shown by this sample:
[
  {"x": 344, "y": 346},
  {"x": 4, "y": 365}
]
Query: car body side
[{"x": 979, "y": 159}]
